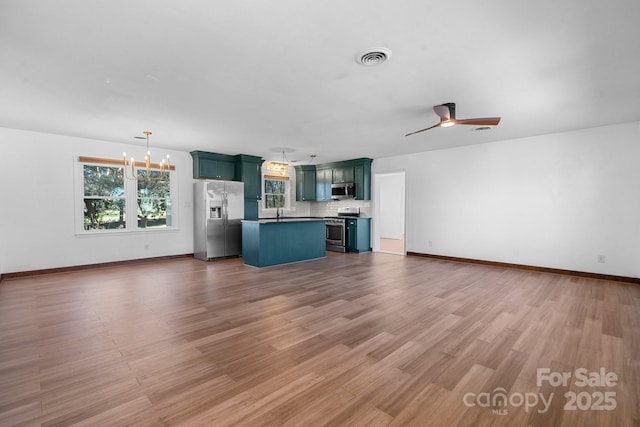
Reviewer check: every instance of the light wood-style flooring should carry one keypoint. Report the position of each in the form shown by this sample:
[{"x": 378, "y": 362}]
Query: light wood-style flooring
[{"x": 362, "y": 340}]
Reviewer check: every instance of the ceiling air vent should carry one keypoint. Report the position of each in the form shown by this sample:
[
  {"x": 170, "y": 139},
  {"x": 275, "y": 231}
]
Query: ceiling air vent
[{"x": 373, "y": 56}]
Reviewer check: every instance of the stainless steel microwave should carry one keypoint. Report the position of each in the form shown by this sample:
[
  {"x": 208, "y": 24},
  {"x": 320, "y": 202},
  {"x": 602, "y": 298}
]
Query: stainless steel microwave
[{"x": 344, "y": 190}]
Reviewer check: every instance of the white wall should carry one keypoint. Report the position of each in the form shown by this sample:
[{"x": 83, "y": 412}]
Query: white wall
[
  {"x": 37, "y": 196},
  {"x": 556, "y": 201}
]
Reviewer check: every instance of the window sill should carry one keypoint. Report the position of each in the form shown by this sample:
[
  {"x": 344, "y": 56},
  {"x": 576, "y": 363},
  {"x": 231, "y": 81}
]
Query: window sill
[{"x": 116, "y": 232}]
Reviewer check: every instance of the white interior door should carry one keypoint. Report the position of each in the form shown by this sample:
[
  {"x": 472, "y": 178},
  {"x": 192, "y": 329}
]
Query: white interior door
[{"x": 390, "y": 213}]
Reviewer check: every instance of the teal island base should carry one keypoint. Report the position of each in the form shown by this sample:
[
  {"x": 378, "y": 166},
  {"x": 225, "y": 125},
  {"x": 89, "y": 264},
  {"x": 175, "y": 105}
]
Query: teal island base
[{"x": 273, "y": 242}]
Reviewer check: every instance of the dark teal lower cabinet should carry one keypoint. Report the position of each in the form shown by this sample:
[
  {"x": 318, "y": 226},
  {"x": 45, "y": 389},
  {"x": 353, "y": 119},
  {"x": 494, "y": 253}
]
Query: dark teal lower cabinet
[
  {"x": 272, "y": 242},
  {"x": 359, "y": 235}
]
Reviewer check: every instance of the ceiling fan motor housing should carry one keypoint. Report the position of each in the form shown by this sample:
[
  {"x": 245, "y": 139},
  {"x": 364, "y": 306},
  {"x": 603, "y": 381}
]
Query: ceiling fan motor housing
[{"x": 452, "y": 109}]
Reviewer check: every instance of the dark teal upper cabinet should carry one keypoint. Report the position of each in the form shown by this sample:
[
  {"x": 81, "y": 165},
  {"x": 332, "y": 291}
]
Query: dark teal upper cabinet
[
  {"x": 226, "y": 170},
  {"x": 313, "y": 182},
  {"x": 362, "y": 179},
  {"x": 213, "y": 166},
  {"x": 343, "y": 174},
  {"x": 249, "y": 171},
  {"x": 322, "y": 176},
  {"x": 357, "y": 171},
  {"x": 305, "y": 183},
  {"x": 244, "y": 168},
  {"x": 323, "y": 184}
]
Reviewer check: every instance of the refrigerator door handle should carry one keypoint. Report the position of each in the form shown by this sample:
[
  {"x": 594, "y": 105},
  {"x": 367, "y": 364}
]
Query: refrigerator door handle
[{"x": 225, "y": 208}]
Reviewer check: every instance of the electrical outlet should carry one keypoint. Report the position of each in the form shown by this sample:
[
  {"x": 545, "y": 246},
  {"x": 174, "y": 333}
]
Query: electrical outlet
[
  {"x": 430, "y": 243},
  {"x": 146, "y": 246},
  {"x": 601, "y": 259}
]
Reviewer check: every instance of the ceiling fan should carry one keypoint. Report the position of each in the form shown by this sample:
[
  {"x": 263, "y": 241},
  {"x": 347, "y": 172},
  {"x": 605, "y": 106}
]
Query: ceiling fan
[{"x": 447, "y": 114}]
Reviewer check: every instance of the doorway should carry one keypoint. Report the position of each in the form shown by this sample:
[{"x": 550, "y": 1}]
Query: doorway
[{"x": 389, "y": 228}]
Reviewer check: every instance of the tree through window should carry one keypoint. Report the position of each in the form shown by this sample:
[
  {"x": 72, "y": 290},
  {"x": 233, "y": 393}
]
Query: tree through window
[
  {"x": 154, "y": 200},
  {"x": 275, "y": 192},
  {"x": 104, "y": 197},
  {"x": 110, "y": 201}
]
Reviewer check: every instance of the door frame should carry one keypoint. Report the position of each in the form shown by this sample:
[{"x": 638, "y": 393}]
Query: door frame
[{"x": 378, "y": 176}]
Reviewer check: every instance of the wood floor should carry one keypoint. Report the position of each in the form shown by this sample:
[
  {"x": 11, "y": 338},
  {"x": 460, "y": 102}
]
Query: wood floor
[{"x": 370, "y": 339}]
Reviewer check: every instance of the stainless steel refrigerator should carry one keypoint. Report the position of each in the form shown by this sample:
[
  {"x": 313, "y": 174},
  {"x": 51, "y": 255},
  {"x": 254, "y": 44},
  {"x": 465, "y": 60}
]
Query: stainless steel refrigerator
[{"x": 219, "y": 210}]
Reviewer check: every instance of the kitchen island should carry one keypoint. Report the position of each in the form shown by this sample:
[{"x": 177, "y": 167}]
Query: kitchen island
[{"x": 268, "y": 242}]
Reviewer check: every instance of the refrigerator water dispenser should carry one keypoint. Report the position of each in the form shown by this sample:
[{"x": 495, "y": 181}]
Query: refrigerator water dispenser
[{"x": 215, "y": 211}]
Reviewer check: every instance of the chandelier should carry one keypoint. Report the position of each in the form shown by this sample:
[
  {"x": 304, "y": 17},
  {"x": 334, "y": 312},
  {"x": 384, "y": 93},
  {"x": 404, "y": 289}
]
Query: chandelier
[
  {"x": 278, "y": 168},
  {"x": 130, "y": 166}
]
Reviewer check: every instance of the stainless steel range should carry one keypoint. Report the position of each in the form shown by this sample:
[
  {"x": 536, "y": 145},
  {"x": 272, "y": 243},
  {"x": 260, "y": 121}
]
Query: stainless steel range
[{"x": 336, "y": 229}]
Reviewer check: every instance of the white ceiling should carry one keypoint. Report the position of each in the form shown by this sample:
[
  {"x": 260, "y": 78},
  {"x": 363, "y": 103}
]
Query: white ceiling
[{"x": 257, "y": 77}]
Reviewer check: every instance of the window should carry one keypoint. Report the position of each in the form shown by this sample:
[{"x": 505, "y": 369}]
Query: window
[
  {"x": 104, "y": 198},
  {"x": 110, "y": 202},
  {"x": 154, "y": 201},
  {"x": 276, "y": 193}
]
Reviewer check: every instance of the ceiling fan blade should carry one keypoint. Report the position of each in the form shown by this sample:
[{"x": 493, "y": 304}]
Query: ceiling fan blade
[
  {"x": 422, "y": 130},
  {"x": 486, "y": 121},
  {"x": 443, "y": 111},
  {"x": 447, "y": 114}
]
